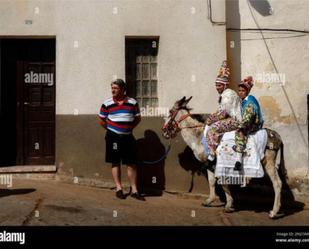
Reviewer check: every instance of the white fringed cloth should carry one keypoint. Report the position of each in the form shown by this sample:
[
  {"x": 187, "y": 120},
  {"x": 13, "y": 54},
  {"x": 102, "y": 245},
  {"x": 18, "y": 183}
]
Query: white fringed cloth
[{"x": 226, "y": 156}]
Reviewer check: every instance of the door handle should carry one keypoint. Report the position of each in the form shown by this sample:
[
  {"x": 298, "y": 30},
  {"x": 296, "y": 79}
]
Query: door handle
[{"x": 26, "y": 103}]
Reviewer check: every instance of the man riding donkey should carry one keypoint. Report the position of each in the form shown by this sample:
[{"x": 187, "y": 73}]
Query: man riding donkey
[
  {"x": 225, "y": 119},
  {"x": 241, "y": 114}
]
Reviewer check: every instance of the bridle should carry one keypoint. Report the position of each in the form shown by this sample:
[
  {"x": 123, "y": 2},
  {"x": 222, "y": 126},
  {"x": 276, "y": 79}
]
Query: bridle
[{"x": 173, "y": 125}]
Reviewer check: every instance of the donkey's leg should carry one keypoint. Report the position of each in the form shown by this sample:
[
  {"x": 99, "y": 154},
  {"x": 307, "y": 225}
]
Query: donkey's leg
[
  {"x": 212, "y": 189},
  {"x": 229, "y": 206},
  {"x": 271, "y": 170}
]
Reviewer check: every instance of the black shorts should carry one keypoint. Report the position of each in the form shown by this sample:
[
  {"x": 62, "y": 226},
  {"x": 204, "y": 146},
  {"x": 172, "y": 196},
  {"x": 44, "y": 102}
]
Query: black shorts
[{"x": 120, "y": 148}]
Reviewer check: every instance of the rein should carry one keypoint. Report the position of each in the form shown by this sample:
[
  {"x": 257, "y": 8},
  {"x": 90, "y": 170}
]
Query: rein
[
  {"x": 174, "y": 124},
  {"x": 182, "y": 118}
]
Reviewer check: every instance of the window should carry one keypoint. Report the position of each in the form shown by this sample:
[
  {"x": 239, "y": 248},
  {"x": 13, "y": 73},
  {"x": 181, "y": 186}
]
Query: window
[
  {"x": 146, "y": 80},
  {"x": 141, "y": 70}
]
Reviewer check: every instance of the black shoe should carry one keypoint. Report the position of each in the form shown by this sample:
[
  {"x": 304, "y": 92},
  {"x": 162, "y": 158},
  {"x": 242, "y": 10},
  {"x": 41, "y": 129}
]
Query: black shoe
[
  {"x": 137, "y": 196},
  {"x": 120, "y": 195},
  {"x": 237, "y": 166}
]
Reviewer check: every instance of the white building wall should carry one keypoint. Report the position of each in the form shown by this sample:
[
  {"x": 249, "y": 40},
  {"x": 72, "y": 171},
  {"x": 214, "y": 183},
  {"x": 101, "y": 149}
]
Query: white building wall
[
  {"x": 286, "y": 113},
  {"x": 191, "y": 48}
]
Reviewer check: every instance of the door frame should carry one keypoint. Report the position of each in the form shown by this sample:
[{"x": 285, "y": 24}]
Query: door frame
[
  {"x": 19, "y": 108},
  {"x": 130, "y": 79},
  {"x": 19, "y": 115}
]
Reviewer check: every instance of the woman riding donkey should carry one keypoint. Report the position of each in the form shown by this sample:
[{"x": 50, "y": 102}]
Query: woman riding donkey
[{"x": 252, "y": 119}]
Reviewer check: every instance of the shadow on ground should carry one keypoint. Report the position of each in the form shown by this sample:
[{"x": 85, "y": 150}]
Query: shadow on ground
[
  {"x": 258, "y": 196},
  {"x": 261, "y": 199},
  {"x": 21, "y": 191}
]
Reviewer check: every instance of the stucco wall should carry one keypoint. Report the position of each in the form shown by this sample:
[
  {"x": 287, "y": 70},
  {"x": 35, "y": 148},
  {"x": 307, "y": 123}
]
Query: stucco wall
[
  {"x": 80, "y": 152},
  {"x": 189, "y": 45},
  {"x": 190, "y": 48},
  {"x": 284, "y": 107},
  {"x": 90, "y": 52}
]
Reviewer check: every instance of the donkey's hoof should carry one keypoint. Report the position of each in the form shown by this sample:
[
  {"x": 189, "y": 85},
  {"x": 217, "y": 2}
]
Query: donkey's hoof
[
  {"x": 207, "y": 204},
  {"x": 273, "y": 215},
  {"x": 212, "y": 203},
  {"x": 229, "y": 209}
]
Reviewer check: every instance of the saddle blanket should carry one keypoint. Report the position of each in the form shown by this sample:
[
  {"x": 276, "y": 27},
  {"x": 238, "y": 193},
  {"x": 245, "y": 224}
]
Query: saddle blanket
[{"x": 226, "y": 156}]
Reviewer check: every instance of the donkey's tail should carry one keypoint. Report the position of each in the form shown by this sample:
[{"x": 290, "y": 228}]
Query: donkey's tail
[
  {"x": 275, "y": 143},
  {"x": 281, "y": 166}
]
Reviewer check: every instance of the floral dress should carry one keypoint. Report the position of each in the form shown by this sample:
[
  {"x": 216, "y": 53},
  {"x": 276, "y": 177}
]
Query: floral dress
[
  {"x": 252, "y": 121},
  {"x": 227, "y": 118}
]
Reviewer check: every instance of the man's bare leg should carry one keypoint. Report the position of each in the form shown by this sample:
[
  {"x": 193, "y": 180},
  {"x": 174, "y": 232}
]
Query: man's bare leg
[
  {"x": 132, "y": 177},
  {"x": 116, "y": 173},
  {"x": 132, "y": 180}
]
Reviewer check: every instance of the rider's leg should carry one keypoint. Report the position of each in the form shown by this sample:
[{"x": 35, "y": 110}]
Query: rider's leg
[
  {"x": 217, "y": 116},
  {"x": 211, "y": 130},
  {"x": 212, "y": 138},
  {"x": 216, "y": 131},
  {"x": 240, "y": 145}
]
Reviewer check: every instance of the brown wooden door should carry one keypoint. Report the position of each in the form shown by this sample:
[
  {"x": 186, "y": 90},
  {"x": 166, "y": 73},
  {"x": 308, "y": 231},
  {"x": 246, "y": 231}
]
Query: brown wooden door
[{"x": 35, "y": 113}]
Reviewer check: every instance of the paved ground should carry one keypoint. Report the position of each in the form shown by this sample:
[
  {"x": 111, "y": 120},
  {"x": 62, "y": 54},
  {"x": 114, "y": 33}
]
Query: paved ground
[{"x": 35, "y": 202}]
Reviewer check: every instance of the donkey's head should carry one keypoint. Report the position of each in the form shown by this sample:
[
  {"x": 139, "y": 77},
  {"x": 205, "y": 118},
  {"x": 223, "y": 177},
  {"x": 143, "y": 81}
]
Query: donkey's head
[{"x": 171, "y": 127}]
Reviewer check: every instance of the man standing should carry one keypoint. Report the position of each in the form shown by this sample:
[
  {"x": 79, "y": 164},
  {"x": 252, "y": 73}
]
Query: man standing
[{"x": 119, "y": 116}]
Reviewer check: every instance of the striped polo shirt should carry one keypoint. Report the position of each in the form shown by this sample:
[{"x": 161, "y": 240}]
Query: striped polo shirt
[{"x": 120, "y": 118}]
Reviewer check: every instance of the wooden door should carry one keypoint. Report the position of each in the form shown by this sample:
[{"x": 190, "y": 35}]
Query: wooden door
[{"x": 35, "y": 117}]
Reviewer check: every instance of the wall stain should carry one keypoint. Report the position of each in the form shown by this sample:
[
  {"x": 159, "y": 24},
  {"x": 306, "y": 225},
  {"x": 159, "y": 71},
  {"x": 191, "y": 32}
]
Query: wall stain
[
  {"x": 258, "y": 84},
  {"x": 269, "y": 67},
  {"x": 270, "y": 108}
]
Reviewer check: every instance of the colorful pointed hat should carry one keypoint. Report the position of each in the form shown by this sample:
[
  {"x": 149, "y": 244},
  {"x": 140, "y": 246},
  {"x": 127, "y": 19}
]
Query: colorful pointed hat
[
  {"x": 247, "y": 82},
  {"x": 224, "y": 74}
]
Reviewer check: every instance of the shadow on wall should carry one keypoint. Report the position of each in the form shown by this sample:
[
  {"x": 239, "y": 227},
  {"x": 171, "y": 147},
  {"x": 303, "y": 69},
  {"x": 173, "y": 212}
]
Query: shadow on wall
[
  {"x": 233, "y": 41},
  {"x": 189, "y": 163},
  {"x": 233, "y": 35},
  {"x": 150, "y": 177},
  {"x": 261, "y": 6}
]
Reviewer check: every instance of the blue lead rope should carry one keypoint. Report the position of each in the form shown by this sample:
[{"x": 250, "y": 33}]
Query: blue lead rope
[{"x": 161, "y": 158}]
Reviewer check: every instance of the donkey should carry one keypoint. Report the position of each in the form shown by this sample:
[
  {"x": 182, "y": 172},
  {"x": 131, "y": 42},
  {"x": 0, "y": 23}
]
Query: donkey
[{"x": 180, "y": 120}]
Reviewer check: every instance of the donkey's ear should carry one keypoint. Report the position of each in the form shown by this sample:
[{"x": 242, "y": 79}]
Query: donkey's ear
[
  {"x": 187, "y": 100},
  {"x": 181, "y": 101}
]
